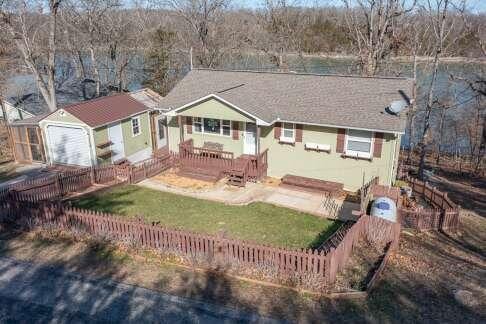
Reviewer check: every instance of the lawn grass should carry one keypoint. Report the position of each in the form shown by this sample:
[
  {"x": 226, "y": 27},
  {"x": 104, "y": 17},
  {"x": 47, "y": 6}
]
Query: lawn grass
[{"x": 258, "y": 222}]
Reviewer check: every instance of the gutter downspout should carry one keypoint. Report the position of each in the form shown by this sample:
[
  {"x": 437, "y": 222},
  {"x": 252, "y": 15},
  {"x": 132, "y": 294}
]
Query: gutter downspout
[{"x": 394, "y": 150}]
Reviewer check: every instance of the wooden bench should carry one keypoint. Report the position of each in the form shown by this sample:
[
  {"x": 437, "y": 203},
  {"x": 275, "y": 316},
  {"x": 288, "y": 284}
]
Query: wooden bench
[
  {"x": 200, "y": 173},
  {"x": 334, "y": 188}
]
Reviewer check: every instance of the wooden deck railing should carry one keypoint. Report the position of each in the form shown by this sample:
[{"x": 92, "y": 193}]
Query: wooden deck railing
[
  {"x": 258, "y": 166},
  {"x": 198, "y": 157},
  {"x": 224, "y": 161}
]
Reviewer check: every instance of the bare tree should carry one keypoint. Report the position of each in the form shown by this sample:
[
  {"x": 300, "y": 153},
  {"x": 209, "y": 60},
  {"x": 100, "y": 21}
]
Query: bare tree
[
  {"x": 205, "y": 19},
  {"x": 283, "y": 25},
  {"x": 87, "y": 22},
  {"x": 18, "y": 19},
  {"x": 372, "y": 24}
]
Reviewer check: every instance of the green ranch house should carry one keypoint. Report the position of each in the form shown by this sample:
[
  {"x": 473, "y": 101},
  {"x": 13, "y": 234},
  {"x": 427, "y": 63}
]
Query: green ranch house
[
  {"x": 240, "y": 124},
  {"x": 327, "y": 127}
]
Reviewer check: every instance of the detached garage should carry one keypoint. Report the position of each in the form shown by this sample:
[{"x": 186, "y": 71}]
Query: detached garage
[
  {"x": 105, "y": 130},
  {"x": 68, "y": 145}
]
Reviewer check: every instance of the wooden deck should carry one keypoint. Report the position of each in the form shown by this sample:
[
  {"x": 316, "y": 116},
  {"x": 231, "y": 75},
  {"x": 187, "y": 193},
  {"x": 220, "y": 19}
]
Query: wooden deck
[{"x": 212, "y": 165}]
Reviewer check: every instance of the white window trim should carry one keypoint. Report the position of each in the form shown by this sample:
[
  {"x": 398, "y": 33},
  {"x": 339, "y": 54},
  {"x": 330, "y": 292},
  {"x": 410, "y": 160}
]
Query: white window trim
[
  {"x": 285, "y": 139},
  {"x": 358, "y": 154},
  {"x": 214, "y": 134},
  {"x": 139, "y": 126}
]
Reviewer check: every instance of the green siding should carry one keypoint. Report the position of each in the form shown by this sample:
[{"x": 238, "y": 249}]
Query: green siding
[
  {"x": 131, "y": 144},
  {"x": 173, "y": 134},
  {"x": 140, "y": 142},
  {"x": 294, "y": 159},
  {"x": 229, "y": 144},
  {"x": 100, "y": 136},
  {"x": 213, "y": 108}
]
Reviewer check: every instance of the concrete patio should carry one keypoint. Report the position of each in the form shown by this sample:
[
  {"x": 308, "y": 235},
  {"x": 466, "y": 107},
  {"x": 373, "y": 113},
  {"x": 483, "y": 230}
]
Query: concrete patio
[{"x": 309, "y": 202}]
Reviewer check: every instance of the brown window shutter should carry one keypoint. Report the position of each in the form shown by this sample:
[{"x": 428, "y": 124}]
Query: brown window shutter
[
  {"x": 277, "y": 130},
  {"x": 189, "y": 125},
  {"x": 378, "y": 145},
  {"x": 235, "y": 126},
  {"x": 298, "y": 132},
  {"x": 340, "y": 140}
]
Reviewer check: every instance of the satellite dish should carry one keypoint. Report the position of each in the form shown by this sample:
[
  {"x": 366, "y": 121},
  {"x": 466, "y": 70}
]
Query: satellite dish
[{"x": 397, "y": 106}]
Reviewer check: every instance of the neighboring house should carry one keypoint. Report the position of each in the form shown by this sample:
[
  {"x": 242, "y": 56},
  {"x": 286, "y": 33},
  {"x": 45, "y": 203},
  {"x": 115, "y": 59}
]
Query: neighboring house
[
  {"x": 12, "y": 113},
  {"x": 103, "y": 130},
  {"x": 30, "y": 104},
  {"x": 327, "y": 127}
]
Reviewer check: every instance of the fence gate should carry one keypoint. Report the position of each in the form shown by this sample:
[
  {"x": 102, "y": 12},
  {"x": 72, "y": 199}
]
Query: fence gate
[{"x": 27, "y": 143}]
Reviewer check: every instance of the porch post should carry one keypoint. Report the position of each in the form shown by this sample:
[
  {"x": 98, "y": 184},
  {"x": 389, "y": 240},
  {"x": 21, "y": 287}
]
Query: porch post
[
  {"x": 258, "y": 140},
  {"x": 181, "y": 128}
]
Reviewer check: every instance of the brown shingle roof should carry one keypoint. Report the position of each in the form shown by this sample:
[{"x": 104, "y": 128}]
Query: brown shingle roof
[
  {"x": 105, "y": 110},
  {"x": 346, "y": 101}
]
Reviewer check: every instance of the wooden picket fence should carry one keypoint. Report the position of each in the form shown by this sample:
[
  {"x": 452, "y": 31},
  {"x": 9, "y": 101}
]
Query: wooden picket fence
[
  {"x": 375, "y": 230},
  {"x": 365, "y": 193},
  {"x": 443, "y": 216},
  {"x": 148, "y": 168},
  {"x": 432, "y": 195},
  {"x": 57, "y": 186},
  {"x": 323, "y": 264}
]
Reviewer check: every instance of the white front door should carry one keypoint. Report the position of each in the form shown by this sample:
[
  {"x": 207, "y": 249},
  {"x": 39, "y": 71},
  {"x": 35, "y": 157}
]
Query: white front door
[
  {"x": 250, "y": 139},
  {"x": 115, "y": 134},
  {"x": 161, "y": 127}
]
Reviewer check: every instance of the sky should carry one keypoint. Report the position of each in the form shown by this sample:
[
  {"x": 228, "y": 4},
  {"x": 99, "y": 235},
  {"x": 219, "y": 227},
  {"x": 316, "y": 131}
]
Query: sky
[{"x": 475, "y": 6}]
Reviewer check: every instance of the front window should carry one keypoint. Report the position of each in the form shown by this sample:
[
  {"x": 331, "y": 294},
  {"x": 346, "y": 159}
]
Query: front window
[
  {"x": 226, "y": 127},
  {"x": 136, "y": 126},
  {"x": 288, "y": 132},
  {"x": 212, "y": 126},
  {"x": 197, "y": 121},
  {"x": 358, "y": 143}
]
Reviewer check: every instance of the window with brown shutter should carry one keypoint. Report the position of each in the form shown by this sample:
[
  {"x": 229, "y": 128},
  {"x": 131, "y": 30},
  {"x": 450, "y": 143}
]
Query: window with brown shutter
[
  {"x": 277, "y": 130},
  {"x": 189, "y": 125},
  {"x": 341, "y": 135},
  {"x": 378, "y": 145},
  {"x": 235, "y": 126},
  {"x": 298, "y": 132}
]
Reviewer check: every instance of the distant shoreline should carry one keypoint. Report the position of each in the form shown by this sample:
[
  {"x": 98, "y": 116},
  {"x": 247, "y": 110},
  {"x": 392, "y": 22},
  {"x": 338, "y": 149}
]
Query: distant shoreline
[{"x": 403, "y": 59}]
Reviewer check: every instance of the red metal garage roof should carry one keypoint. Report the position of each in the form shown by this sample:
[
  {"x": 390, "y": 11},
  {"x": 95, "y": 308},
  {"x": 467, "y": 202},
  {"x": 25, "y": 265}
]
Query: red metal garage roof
[{"x": 106, "y": 110}]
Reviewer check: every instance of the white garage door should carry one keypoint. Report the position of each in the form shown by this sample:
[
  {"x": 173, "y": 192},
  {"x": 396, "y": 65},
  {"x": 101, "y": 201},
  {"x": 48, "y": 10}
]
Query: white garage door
[{"x": 68, "y": 145}]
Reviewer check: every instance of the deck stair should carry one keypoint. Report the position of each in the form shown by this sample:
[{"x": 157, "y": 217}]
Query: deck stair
[{"x": 238, "y": 174}]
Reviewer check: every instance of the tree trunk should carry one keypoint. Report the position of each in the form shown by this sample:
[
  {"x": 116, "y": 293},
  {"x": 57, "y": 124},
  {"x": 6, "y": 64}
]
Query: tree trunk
[
  {"x": 96, "y": 72},
  {"x": 441, "y": 130},
  {"x": 440, "y": 37}
]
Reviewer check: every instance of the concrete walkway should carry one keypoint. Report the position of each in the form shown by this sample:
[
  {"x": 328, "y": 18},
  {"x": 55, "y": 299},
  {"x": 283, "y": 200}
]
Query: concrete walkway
[
  {"x": 24, "y": 172},
  {"x": 309, "y": 202},
  {"x": 34, "y": 293}
]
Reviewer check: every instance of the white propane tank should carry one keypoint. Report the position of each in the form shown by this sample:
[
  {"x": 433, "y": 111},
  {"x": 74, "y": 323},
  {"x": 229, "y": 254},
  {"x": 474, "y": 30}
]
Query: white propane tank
[{"x": 385, "y": 208}]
